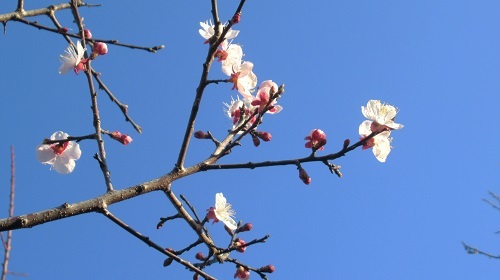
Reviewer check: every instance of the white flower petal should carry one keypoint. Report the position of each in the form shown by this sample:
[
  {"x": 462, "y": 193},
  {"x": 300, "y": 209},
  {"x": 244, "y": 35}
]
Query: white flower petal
[
  {"x": 64, "y": 165},
  {"x": 45, "y": 154},
  {"x": 382, "y": 146},
  {"x": 72, "y": 151},
  {"x": 364, "y": 128}
]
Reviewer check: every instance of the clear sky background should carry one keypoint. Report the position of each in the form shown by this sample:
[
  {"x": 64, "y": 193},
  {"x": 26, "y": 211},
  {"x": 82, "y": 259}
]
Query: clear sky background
[{"x": 437, "y": 61}]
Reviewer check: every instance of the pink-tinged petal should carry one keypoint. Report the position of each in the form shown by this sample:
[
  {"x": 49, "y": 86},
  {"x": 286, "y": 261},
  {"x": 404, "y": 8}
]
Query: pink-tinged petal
[
  {"x": 275, "y": 110},
  {"x": 64, "y": 165},
  {"x": 233, "y": 61},
  {"x": 72, "y": 151},
  {"x": 45, "y": 154}
]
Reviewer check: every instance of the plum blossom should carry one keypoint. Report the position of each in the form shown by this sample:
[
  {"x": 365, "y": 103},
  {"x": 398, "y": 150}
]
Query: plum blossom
[
  {"x": 266, "y": 89},
  {"x": 242, "y": 273},
  {"x": 381, "y": 143},
  {"x": 239, "y": 111},
  {"x": 61, "y": 156},
  {"x": 317, "y": 139},
  {"x": 222, "y": 212},
  {"x": 382, "y": 115},
  {"x": 208, "y": 31},
  {"x": 73, "y": 59},
  {"x": 240, "y": 72}
]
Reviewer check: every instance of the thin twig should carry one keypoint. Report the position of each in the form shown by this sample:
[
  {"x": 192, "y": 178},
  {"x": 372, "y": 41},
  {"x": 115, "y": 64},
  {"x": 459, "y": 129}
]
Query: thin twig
[
  {"x": 8, "y": 243},
  {"x": 311, "y": 158},
  {"x": 150, "y": 243},
  {"x": 123, "y": 107},
  {"x": 472, "y": 250}
]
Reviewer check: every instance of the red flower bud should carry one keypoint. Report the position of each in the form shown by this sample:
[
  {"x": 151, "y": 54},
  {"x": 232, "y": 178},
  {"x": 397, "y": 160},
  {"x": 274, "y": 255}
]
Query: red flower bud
[
  {"x": 63, "y": 30},
  {"x": 256, "y": 141},
  {"x": 168, "y": 262},
  {"x": 245, "y": 227},
  {"x": 268, "y": 268},
  {"x": 266, "y": 136},
  {"x": 199, "y": 256},
  {"x": 346, "y": 144},
  {"x": 236, "y": 18},
  {"x": 304, "y": 176},
  {"x": 201, "y": 135}
]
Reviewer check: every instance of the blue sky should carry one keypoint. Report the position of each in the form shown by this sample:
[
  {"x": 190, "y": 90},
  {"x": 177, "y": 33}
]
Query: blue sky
[{"x": 437, "y": 61}]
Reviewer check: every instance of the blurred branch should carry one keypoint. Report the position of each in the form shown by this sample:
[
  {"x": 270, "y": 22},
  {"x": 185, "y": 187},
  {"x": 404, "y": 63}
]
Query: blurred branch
[
  {"x": 473, "y": 251},
  {"x": 8, "y": 243}
]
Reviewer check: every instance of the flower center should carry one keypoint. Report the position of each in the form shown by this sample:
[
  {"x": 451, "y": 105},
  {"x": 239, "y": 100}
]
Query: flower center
[{"x": 59, "y": 148}]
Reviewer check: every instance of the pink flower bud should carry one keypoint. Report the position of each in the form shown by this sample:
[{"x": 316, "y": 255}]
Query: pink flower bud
[
  {"x": 125, "y": 139},
  {"x": 87, "y": 34},
  {"x": 268, "y": 268},
  {"x": 240, "y": 242},
  {"x": 63, "y": 30},
  {"x": 245, "y": 227},
  {"x": 199, "y": 256},
  {"x": 100, "y": 48},
  {"x": 266, "y": 136},
  {"x": 304, "y": 176},
  {"x": 317, "y": 139},
  {"x": 242, "y": 273},
  {"x": 236, "y": 18}
]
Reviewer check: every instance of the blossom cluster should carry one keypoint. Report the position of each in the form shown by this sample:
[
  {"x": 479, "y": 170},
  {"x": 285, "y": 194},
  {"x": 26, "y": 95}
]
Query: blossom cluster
[
  {"x": 74, "y": 56},
  {"x": 253, "y": 100},
  {"x": 381, "y": 120}
]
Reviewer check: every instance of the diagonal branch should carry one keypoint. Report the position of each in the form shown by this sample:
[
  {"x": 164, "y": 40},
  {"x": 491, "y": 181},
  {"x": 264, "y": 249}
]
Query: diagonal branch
[
  {"x": 21, "y": 13},
  {"x": 150, "y": 243}
]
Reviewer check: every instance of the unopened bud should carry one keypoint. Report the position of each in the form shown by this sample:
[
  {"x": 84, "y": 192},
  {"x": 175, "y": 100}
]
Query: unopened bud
[
  {"x": 245, "y": 227},
  {"x": 196, "y": 276},
  {"x": 100, "y": 48},
  {"x": 268, "y": 268},
  {"x": 125, "y": 139},
  {"x": 199, "y": 256},
  {"x": 236, "y": 18},
  {"x": 346, "y": 144},
  {"x": 238, "y": 243},
  {"x": 266, "y": 136},
  {"x": 256, "y": 141},
  {"x": 168, "y": 262},
  {"x": 87, "y": 34},
  {"x": 201, "y": 135},
  {"x": 63, "y": 30},
  {"x": 304, "y": 176}
]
